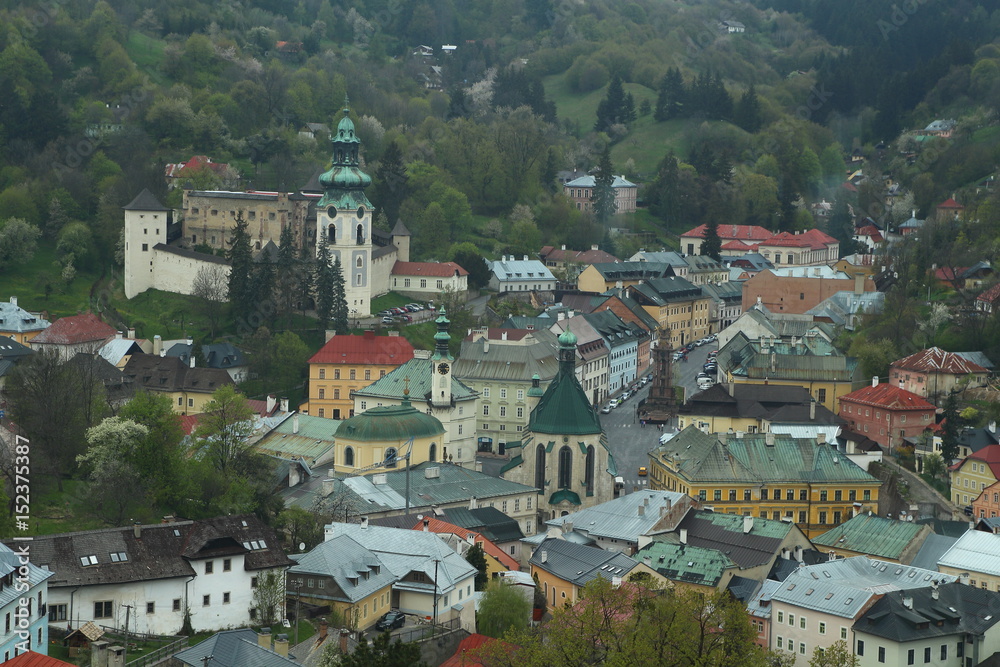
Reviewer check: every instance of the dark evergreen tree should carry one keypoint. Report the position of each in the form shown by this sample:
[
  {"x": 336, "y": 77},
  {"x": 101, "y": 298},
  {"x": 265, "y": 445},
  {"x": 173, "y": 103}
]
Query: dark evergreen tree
[
  {"x": 391, "y": 186},
  {"x": 662, "y": 192},
  {"x": 338, "y": 312},
  {"x": 604, "y": 191},
  {"x": 747, "y": 114},
  {"x": 719, "y": 103},
  {"x": 262, "y": 284},
  {"x": 711, "y": 245},
  {"x": 951, "y": 426},
  {"x": 550, "y": 171},
  {"x": 304, "y": 273},
  {"x": 324, "y": 282},
  {"x": 240, "y": 256},
  {"x": 628, "y": 109},
  {"x": 840, "y": 223},
  {"x": 458, "y": 106},
  {"x": 286, "y": 271},
  {"x": 611, "y": 110},
  {"x": 672, "y": 98}
]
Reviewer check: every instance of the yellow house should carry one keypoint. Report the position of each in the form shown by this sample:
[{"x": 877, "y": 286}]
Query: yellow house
[
  {"x": 768, "y": 475},
  {"x": 751, "y": 408},
  {"x": 373, "y": 440},
  {"x": 965, "y": 558},
  {"x": 348, "y": 363},
  {"x": 599, "y": 278},
  {"x": 974, "y": 473},
  {"x": 677, "y": 304},
  {"x": 563, "y": 568},
  {"x": 189, "y": 388}
]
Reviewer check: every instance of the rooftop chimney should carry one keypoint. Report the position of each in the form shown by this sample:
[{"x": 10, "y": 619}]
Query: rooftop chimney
[
  {"x": 821, "y": 438},
  {"x": 427, "y": 524},
  {"x": 295, "y": 423},
  {"x": 13, "y": 301},
  {"x": 908, "y": 602},
  {"x": 344, "y": 634},
  {"x": 812, "y": 409},
  {"x": 158, "y": 345},
  {"x": 874, "y": 380},
  {"x": 545, "y": 556},
  {"x": 137, "y": 530},
  {"x": 191, "y": 358},
  {"x": 642, "y": 510},
  {"x": 98, "y": 649},
  {"x": 284, "y": 404},
  {"x": 272, "y": 403},
  {"x": 567, "y": 527},
  {"x": 684, "y": 535},
  {"x": 747, "y": 524}
]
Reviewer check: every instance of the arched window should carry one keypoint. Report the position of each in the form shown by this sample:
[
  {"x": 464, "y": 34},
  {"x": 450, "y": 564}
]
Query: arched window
[
  {"x": 565, "y": 467},
  {"x": 540, "y": 467},
  {"x": 432, "y": 454},
  {"x": 361, "y": 234},
  {"x": 349, "y": 456},
  {"x": 390, "y": 457},
  {"x": 588, "y": 472},
  {"x": 359, "y": 262},
  {"x": 331, "y": 233}
]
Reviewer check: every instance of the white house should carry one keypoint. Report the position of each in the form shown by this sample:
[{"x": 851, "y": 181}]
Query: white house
[
  {"x": 429, "y": 279},
  {"x": 520, "y": 275},
  {"x": 23, "y": 596},
  {"x": 153, "y": 574}
]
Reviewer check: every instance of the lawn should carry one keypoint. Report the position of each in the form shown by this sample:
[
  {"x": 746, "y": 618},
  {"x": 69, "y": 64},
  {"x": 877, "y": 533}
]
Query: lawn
[
  {"x": 28, "y": 282},
  {"x": 390, "y": 300},
  {"x": 55, "y": 511},
  {"x": 147, "y": 53}
]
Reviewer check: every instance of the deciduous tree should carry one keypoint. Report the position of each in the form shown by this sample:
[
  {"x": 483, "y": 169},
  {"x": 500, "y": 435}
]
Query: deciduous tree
[
  {"x": 503, "y": 608},
  {"x": 225, "y": 425}
]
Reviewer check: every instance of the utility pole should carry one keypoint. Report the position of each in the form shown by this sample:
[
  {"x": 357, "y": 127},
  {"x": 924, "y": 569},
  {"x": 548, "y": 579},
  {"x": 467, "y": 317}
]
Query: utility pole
[
  {"x": 298, "y": 596},
  {"x": 128, "y": 611},
  {"x": 434, "y": 618}
]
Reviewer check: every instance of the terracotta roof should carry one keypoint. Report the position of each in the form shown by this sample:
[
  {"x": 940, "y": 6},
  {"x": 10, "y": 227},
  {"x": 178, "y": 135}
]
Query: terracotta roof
[
  {"x": 730, "y": 232},
  {"x": 432, "y": 269},
  {"x": 738, "y": 245},
  {"x": 435, "y": 525},
  {"x": 32, "y": 659},
  {"x": 870, "y": 231},
  {"x": 75, "y": 329},
  {"x": 189, "y": 423},
  {"x": 990, "y": 454},
  {"x": 364, "y": 349},
  {"x": 813, "y": 238},
  {"x": 949, "y": 273},
  {"x": 195, "y": 164},
  {"x": 936, "y": 360},
  {"x": 950, "y": 203},
  {"x": 888, "y": 397},
  {"x": 990, "y": 295},
  {"x": 465, "y": 655}
]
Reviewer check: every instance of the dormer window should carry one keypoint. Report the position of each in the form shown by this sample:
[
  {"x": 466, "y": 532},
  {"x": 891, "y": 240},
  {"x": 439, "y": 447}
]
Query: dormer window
[{"x": 87, "y": 561}]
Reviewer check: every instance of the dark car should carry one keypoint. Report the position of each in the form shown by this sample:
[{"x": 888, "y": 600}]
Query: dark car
[{"x": 391, "y": 621}]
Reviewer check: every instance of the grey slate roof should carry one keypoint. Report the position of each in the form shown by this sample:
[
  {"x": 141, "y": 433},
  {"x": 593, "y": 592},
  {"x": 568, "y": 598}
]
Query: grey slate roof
[
  {"x": 357, "y": 571},
  {"x": 843, "y": 587},
  {"x": 931, "y": 551},
  {"x": 614, "y": 271},
  {"x": 493, "y": 524},
  {"x": 579, "y": 564},
  {"x": 619, "y": 518},
  {"x": 773, "y": 402},
  {"x": 418, "y": 372},
  {"x": 506, "y": 361},
  {"x": 960, "y": 610},
  {"x": 403, "y": 551},
  {"x": 233, "y": 648},
  {"x": 724, "y": 533},
  {"x": 145, "y": 201}
]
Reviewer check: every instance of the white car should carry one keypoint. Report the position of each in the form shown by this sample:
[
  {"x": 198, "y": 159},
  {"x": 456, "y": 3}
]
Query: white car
[{"x": 606, "y": 409}]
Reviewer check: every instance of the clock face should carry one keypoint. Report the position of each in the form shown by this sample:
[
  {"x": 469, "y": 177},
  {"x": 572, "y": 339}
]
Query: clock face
[{"x": 443, "y": 369}]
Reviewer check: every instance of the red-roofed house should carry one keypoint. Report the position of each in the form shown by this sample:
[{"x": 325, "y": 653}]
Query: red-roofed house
[
  {"x": 497, "y": 560},
  {"x": 347, "y": 363},
  {"x": 805, "y": 248},
  {"x": 933, "y": 373},
  {"x": 886, "y": 413},
  {"x": 572, "y": 262},
  {"x": 987, "y": 300},
  {"x": 749, "y": 234},
  {"x": 466, "y": 655},
  {"x": 429, "y": 279},
  {"x": 869, "y": 235},
  {"x": 949, "y": 209},
  {"x": 973, "y": 474},
  {"x": 69, "y": 335},
  {"x": 32, "y": 659},
  {"x": 201, "y": 167}
]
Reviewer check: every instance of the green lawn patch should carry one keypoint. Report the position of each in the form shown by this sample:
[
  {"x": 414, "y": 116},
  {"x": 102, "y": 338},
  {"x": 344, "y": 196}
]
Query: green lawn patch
[
  {"x": 421, "y": 336},
  {"x": 390, "y": 300},
  {"x": 147, "y": 54},
  {"x": 55, "y": 511},
  {"x": 28, "y": 283}
]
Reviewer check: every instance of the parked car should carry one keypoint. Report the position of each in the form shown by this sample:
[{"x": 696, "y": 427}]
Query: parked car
[
  {"x": 710, "y": 368},
  {"x": 705, "y": 383},
  {"x": 405, "y": 318},
  {"x": 415, "y": 306},
  {"x": 624, "y": 396},
  {"x": 642, "y": 471},
  {"x": 390, "y": 621},
  {"x": 385, "y": 313},
  {"x": 613, "y": 403},
  {"x": 606, "y": 409},
  {"x": 388, "y": 319},
  {"x": 649, "y": 378}
]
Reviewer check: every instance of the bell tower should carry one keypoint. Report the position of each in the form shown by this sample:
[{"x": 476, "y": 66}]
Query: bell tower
[
  {"x": 343, "y": 215},
  {"x": 442, "y": 363},
  {"x": 145, "y": 225}
]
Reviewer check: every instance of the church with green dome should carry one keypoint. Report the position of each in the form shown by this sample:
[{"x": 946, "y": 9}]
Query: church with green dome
[
  {"x": 378, "y": 438},
  {"x": 344, "y": 221},
  {"x": 564, "y": 452}
]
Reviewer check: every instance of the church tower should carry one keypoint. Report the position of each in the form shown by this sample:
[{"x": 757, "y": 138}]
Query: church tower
[
  {"x": 344, "y": 218},
  {"x": 442, "y": 363},
  {"x": 145, "y": 226}
]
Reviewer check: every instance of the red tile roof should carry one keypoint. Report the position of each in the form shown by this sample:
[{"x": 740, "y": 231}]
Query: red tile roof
[
  {"x": 365, "y": 349},
  {"x": 949, "y": 273},
  {"x": 814, "y": 239},
  {"x": 936, "y": 360},
  {"x": 464, "y": 655},
  {"x": 189, "y": 423},
  {"x": 738, "y": 245},
  {"x": 443, "y": 527},
  {"x": 32, "y": 659},
  {"x": 990, "y": 455},
  {"x": 887, "y": 397},
  {"x": 870, "y": 231},
  {"x": 950, "y": 203},
  {"x": 496, "y": 333},
  {"x": 731, "y": 232},
  {"x": 990, "y": 295},
  {"x": 430, "y": 269},
  {"x": 75, "y": 329}
]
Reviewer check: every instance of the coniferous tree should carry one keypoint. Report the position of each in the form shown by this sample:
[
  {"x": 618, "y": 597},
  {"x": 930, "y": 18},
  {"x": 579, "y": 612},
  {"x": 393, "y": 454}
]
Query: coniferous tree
[
  {"x": 628, "y": 114},
  {"x": 671, "y": 101},
  {"x": 458, "y": 105},
  {"x": 604, "y": 191},
  {"x": 747, "y": 114},
  {"x": 324, "y": 282},
  {"x": 304, "y": 271},
  {"x": 711, "y": 244},
  {"x": 339, "y": 313},
  {"x": 240, "y": 256},
  {"x": 391, "y": 182},
  {"x": 611, "y": 110},
  {"x": 952, "y": 424},
  {"x": 550, "y": 171},
  {"x": 285, "y": 271},
  {"x": 662, "y": 193}
]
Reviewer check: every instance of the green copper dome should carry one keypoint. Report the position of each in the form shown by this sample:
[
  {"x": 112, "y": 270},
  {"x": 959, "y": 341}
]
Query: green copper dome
[
  {"x": 567, "y": 339},
  {"x": 345, "y": 182},
  {"x": 390, "y": 424}
]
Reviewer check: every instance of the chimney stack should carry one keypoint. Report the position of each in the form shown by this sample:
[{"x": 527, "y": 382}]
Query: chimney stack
[
  {"x": 295, "y": 423},
  {"x": 812, "y": 409},
  {"x": 874, "y": 380},
  {"x": 116, "y": 656},
  {"x": 284, "y": 404},
  {"x": 344, "y": 634},
  {"x": 281, "y": 645},
  {"x": 684, "y": 535},
  {"x": 137, "y": 530},
  {"x": 158, "y": 345},
  {"x": 747, "y": 524},
  {"x": 427, "y": 524},
  {"x": 364, "y": 523},
  {"x": 908, "y": 602},
  {"x": 272, "y": 403},
  {"x": 545, "y": 556},
  {"x": 642, "y": 510},
  {"x": 98, "y": 650}
]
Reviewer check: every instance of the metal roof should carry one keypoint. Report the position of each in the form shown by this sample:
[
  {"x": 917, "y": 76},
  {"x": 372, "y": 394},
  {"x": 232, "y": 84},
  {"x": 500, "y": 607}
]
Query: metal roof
[
  {"x": 232, "y": 648},
  {"x": 357, "y": 571},
  {"x": 313, "y": 439},
  {"x": 931, "y": 551},
  {"x": 843, "y": 587},
  {"x": 417, "y": 375},
  {"x": 687, "y": 563},
  {"x": 873, "y": 535},
  {"x": 15, "y": 319},
  {"x": 579, "y": 564},
  {"x": 518, "y": 270},
  {"x": 952, "y": 610},
  {"x": 759, "y": 605},
  {"x": 975, "y": 551},
  {"x": 620, "y": 518},
  {"x": 506, "y": 361}
]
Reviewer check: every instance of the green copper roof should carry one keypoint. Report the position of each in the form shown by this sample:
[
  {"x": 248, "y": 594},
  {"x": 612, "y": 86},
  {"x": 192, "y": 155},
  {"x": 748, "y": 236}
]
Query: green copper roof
[
  {"x": 564, "y": 494},
  {"x": 874, "y": 535},
  {"x": 418, "y": 375},
  {"x": 345, "y": 182},
  {"x": 564, "y": 408},
  {"x": 391, "y": 423},
  {"x": 567, "y": 338},
  {"x": 683, "y": 562}
]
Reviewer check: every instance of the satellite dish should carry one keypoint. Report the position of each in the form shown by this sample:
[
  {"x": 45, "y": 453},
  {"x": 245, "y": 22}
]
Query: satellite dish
[{"x": 302, "y": 546}]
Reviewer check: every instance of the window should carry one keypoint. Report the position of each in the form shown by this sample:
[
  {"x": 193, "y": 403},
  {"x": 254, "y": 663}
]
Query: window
[
  {"x": 822, "y": 496},
  {"x": 791, "y": 620},
  {"x": 802, "y": 622},
  {"x": 843, "y": 632},
  {"x": 822, "y": 628},
  {"x": 349, "y": 456},
  {"x": 57, "y": 612},
  {"x": 565, "y": 467},
  {"x": 520, "y": 413},
  {"x": 910, "y": 657},
  {"x": 717, "y": 494},
  {"x": 802, "y": 648},
  {"x": 881, "y": 654},
  {"x": 790, "y": 494},
  {"x": 336, "y": 373},
  {"x": 322, "y": 393},
  {"x": 781, "y": 642},
  {"x": 763, "y": 494},
  {"x": 746, "y": 494},
  {"x": 368, "y": 374},
  {"x": 838, "y": 495},
  {"x": 103, "y": 609},
  {"x": 703, "y": 495},
  {"x": 486, "y": 392},
  {"x": 732, "y": 494},
  {"x": 503, "y": 393},
  {"x": 781, "y": 617},
  {"x": 354, "y": 374},
  {"x": 867, "y": 494},
  {"x": 225, "y": 598},
  {"x": 177, "y": 604},
  {"x": 206, "y": 600},
  {"x": 520, "y": 394},
  {"x": 861, "y": 647},
  {"x": 486, "y": 410},
  {"x": 944, "y": 651},
  {"x": 322, "y": 374},
  {"x": 150, "y": 607},
  {"x": 209, "y": 567},
  {"x": 822, "y": 518}
]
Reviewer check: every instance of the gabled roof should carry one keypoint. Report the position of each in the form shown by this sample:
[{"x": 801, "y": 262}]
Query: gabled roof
[
  {"x": 731, "y": 232},
  {"x": 590, "y": 182},
  {"x": 429, "y": 269},
  {"x": 578, "y": 564},
  {"x": 614, "y": 271},
  {"x": 490, "y": 521},
  {"x": 591, "y": 256},
  {"x": 936, "y": 360},
  {"x": 169, "y": 374},
  {"x": 517, "y": 363},
  {"x": 75, "y": 329},
  {"x": 32, "y": 659},
  {"x": 813, "y": 239},
  {"x": 728, "y": 534},
  {"x": 31, "y": 575},
  {"x": 357, "y": 571},
  {"x": 888, "y": 397},
  {"x": 965, "y": 611},
  {"x": 621, "y": 518},
  {"x": 440, "y": 527},
  {"x": 11, "y": 350},
  {"x": 519, "y": 270},
  {"x": 161, "y": 551},
  {"x": 975, "y": 551},
  {"x": 145, "y": 201},
  {"x": 686, "y": 562},
  {"x": 232, "y": 648},
  {"x": 873, "y": 535},
  {"x": 950, "y": 203},
  {"x": 366, "y": 349}
]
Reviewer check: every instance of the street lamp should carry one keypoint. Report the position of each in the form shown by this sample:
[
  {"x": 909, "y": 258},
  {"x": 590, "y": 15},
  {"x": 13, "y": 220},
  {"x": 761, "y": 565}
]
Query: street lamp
[
  {"x": 354, "y": 316},
  {"x": 298, "y": 596}
]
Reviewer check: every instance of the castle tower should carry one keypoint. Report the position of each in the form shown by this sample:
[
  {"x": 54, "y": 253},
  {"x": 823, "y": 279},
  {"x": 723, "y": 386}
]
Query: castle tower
[
  {"x": 145, "y": 225},
  {"x": 401, "y": 239},
  {"x": 442, "y": 363},
  {"x": 343, "y": 216}
]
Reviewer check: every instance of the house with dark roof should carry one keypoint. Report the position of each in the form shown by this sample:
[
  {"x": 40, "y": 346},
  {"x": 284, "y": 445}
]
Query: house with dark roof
[
  {"x": 11, "y": 352},
  {"x": 934, "y": 373},
  {"x": 189, "y": 388},
  {"x": 678, "y": 305},
  {"x": 941, "y": 624},
  {"x": 238, "y": 648},
  {"x": 867, "y": 534},
  {"x": 563, "y": 568},
  {"x": 759, "y": 322},
  {"x": 69, "y": 335},
  {"x": 752, "y": 408},
  {"x": 24, "y": 595},
  {"x": 569, "y": 263},
  {"x": 599, "y": 278},
  {"x": 206, "y": 568},
  {"x": 886, "y": 413}
]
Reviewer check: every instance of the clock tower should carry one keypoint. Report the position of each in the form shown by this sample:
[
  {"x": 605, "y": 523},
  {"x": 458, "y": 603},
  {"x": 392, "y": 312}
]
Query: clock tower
[{"x": 442, "y": 363}]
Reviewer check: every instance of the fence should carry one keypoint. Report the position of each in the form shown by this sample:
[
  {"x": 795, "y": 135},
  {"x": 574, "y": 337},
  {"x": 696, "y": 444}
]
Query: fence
[
  {"x": 418, "y": 632},
  {"x": 159, "y": 654}
]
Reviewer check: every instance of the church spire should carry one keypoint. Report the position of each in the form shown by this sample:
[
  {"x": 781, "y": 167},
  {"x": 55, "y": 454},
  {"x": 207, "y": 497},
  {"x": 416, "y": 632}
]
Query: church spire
[
  {"x": 567, "y": 353},
  {"x": 345, "y": 182},
  {"x": 442, "y": 339}
]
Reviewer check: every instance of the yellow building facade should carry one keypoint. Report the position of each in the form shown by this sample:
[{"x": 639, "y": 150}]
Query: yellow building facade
[
  {"x": 973, "y": 474},
  {"x": 376, "y": 440}
]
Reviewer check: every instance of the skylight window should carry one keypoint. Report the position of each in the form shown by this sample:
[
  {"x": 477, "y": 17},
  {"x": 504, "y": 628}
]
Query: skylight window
[
  {"x": 119, "y": 557},
  {"x": 177, "y": 533},
  {"x": 87, "y": 561}
]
